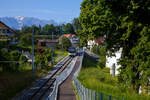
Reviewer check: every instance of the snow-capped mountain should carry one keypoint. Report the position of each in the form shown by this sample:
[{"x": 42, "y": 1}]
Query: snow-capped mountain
[{"x": 20, "y": 21}]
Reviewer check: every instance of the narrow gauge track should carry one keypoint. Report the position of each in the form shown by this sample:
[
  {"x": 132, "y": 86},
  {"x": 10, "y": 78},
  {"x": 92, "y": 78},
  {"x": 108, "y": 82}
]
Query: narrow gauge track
[{"x": 39, "y": 89}]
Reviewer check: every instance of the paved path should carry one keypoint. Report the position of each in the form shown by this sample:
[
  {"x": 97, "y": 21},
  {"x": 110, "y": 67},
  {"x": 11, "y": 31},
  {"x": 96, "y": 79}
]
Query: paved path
[{"x": 65, "y": 91}]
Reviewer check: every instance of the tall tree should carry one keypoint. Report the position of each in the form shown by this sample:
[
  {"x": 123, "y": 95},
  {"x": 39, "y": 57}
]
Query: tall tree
[
  {"x": 126, "y": 25},
  {"x": 76, "y": 24},
  {"x": 68, "y": 29}
]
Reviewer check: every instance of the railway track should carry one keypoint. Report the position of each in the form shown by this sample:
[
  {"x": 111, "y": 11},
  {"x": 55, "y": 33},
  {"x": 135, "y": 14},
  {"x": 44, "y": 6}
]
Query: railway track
[{"x": 45, "y": 84}]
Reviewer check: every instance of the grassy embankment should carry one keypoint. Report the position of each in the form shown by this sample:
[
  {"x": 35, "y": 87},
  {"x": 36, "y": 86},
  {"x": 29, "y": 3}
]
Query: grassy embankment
[
  {"x": 12, "y": 83},
  {"x": 100, "y": 80}
]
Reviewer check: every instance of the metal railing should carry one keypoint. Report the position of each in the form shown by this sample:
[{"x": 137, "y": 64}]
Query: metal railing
[
  {"x": 88, "y": 94},
  {"x": 60, "y": 79}
]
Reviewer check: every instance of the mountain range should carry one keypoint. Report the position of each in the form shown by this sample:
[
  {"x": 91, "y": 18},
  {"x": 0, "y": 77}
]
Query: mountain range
[{"x": 20, "y": 21}]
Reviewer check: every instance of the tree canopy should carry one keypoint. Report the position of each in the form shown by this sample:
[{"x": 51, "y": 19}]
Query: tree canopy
[
  {"x": 66, "y": 43},
  {"x": 126, "y": 25}
]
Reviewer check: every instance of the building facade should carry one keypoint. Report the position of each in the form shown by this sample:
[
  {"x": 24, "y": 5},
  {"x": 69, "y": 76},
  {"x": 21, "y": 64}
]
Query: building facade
[
  {"x": 72, "y": 37},
  {"x": 96, "y": 41},
  {"x": 6, "y": 33}
]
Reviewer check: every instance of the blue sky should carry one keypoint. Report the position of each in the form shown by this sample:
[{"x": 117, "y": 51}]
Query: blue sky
[{"x": 58, "y": 10}]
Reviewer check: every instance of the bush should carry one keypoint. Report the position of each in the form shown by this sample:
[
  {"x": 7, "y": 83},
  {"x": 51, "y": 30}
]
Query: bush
[
  {"x": 26, "y": 39},
  {"x": 3, "y": 44},
  {"x": 66, "y": 43},
  {"x": 101, "y": 51},
  {"x": 100, "y": 80},
  {"x": 43, "y": 59}
]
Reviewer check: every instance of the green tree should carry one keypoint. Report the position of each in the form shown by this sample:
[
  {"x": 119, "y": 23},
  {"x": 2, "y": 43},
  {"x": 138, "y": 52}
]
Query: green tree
[
  {"x": 4, "y": 56},
  {"x": 126, "y": 25},
  {"x": 48, "y": 29},
  {"x": 23, "y": 60},
  {"x": 68, "y": 29},
  {"x": 66, "y": 43},
  {"x": 26, "y": 29},
  {"x": 26, "y": 39},
  {"x": 43, "y": 59},
  {"x": 14, "y": 57},
  {"x": 76, "y": 24}
]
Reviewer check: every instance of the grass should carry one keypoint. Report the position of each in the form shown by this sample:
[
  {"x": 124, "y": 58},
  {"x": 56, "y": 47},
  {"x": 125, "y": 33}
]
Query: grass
[
  {"x": 100, "y": 80},
  {"x": 58, "y": 54},
  {"x": 12, "y": 83},
  {"x": 73, "y": 87}
]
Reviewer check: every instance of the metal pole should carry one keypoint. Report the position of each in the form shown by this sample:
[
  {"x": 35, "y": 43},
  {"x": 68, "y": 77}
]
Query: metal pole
[
  {"x": 101, "y": 95},
  {"x": 52, "y": 48},
  {"x": 32, "y": 51},
  {"x": 109, "y": 97}
]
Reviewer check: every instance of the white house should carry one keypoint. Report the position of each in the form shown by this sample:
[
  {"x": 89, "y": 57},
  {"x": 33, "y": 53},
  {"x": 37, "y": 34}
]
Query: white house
[
  {"x": 91, "y": 43},
  {"x": 96, "y": 41},
  {"x": 112, "y": 61}
]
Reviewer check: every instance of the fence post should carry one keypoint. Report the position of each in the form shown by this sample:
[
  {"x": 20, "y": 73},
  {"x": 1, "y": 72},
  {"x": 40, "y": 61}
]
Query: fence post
[
  {"x": 109, "y": 97},
  {"x": 95, "y": 95},
  {"x": 87, "y": 93},
  {"x": 123, "y": 99},
  {"x": 82, "y": 92},
  {"x": 90, "y": 94},
  {"x": 101, "y": 95}
]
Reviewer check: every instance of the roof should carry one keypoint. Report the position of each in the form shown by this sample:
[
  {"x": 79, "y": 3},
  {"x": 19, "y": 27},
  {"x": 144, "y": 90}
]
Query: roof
[
  {"x": 100, "y": 40},
  {"x": 5, "y": 26},
  {"x": 69, "y": 35}
]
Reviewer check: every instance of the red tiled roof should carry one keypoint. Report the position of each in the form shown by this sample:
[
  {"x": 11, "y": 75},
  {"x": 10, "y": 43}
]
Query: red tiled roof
[
  {"x": 100, "y": 40},
  {"x": 69, "y": 35}
]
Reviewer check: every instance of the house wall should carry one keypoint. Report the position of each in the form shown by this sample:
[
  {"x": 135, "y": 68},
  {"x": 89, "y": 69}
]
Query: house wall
[
  {"x": 110, "y": 61},
  {"x": 91, "y": 43},
  {"x": 5, "y": 32}
]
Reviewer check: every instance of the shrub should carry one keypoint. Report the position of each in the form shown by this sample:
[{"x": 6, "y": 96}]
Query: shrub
[{"x": 66, "y": 43}]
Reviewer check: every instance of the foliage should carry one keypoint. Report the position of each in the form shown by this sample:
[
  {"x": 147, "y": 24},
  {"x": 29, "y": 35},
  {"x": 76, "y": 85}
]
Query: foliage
[
  {"x": 66, "y": 43},
  {"x": 101, "y": 52},
  {"x": 26, "y": 39},
  {"x": 102, "y": 57},
  {"x": 101, "y": 81},
  {"x": 13, "y": 83},
  {"x": 68, "y": 29},
  {"x": 3, "y": 44},
  {"x": 48, "y": 29},
  {"x": 12, "y": 58},
  {"x": 83, "y": 37},
  {"x": 126, "y": 25},
  {"x": 43, "y": 59},
  {"x": 76, "y": 24},
  {"x": 96, "y": 49}
]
